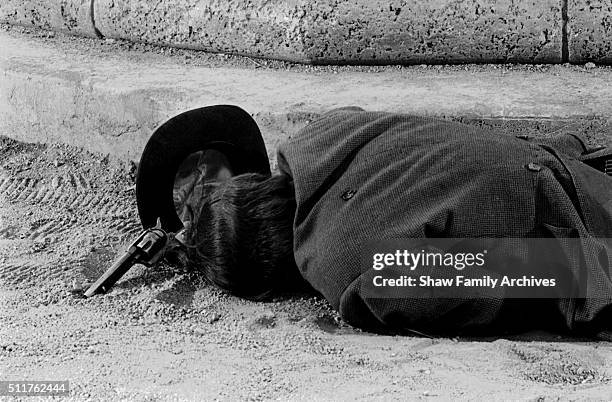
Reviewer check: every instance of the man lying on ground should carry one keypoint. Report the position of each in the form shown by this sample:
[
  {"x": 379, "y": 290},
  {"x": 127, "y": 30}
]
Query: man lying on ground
[{"x": 353, "y": 176}]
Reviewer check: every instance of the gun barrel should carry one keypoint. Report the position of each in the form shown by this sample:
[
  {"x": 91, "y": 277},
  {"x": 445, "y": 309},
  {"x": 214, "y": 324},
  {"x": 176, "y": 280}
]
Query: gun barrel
[{"x": 114, "y": 273}]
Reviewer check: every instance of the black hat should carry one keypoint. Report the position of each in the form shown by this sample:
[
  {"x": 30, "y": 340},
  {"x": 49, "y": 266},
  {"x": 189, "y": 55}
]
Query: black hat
[{"x": 224, "y": 128}]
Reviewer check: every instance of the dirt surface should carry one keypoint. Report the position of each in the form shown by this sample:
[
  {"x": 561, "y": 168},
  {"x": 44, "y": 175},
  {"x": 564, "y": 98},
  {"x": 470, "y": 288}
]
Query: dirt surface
[{"x": 162, "y": 334}]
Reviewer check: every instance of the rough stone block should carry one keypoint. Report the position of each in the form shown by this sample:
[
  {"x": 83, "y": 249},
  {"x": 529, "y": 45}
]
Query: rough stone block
[
  {"x": 589, "y": 31},
  {"x": 71, "y": 16},
  {"x": 346, "y": 31},
  {"x": 261, "y": 28},
  {"x": 433, "y": 31}
]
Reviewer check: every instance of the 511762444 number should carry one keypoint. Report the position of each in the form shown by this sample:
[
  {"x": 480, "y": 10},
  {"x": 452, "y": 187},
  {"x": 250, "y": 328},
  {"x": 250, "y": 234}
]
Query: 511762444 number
[{"x": 33, "y": 388}]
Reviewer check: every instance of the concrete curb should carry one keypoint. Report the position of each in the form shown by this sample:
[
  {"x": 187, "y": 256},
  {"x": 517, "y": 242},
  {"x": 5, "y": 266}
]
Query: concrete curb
[
  {"x": 339, "y": 32},
  {"x": 110, "y": 103},
  {"x": 343, "y": 31}
]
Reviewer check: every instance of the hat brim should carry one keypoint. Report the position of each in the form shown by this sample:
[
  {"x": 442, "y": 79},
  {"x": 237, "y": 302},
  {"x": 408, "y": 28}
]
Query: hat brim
[{"x": 225, "y": 128}]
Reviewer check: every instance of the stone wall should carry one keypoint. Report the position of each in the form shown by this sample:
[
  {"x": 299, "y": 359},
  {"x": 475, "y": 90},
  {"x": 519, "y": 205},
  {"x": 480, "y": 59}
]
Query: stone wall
[{"x": 343, "y": 31}]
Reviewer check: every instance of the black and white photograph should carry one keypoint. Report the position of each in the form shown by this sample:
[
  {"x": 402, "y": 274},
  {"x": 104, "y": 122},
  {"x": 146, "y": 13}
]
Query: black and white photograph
[{"x": 301, "y": 200}]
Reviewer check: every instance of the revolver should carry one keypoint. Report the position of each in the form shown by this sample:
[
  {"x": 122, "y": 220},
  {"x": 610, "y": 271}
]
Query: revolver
[{"x": 147, "y": 249}]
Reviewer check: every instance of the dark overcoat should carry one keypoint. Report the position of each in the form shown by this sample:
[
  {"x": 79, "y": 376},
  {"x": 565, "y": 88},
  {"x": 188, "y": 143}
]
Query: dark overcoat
[{"x": 360, "y": 175}]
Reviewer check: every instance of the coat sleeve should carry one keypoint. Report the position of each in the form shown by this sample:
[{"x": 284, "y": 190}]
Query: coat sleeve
[
  {"x": 569, "y": 144},
  {"x": 423, "y": 308},
  {"x": 420, "y": 315}
]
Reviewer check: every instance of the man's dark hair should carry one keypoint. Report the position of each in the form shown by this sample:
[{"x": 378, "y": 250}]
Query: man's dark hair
[{"x": 241, "y": 238}]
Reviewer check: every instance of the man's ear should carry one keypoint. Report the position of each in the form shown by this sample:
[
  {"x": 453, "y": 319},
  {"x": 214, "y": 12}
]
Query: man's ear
[{"x": 215, "y": 166}]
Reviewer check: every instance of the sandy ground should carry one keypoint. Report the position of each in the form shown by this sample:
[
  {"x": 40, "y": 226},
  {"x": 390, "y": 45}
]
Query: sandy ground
[{"x": 162, "y": 334}]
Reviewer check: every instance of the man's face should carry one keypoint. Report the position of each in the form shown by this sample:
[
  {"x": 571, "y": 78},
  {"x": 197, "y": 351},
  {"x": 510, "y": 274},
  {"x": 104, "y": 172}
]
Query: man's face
[{"x": 196, "y": 178}]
